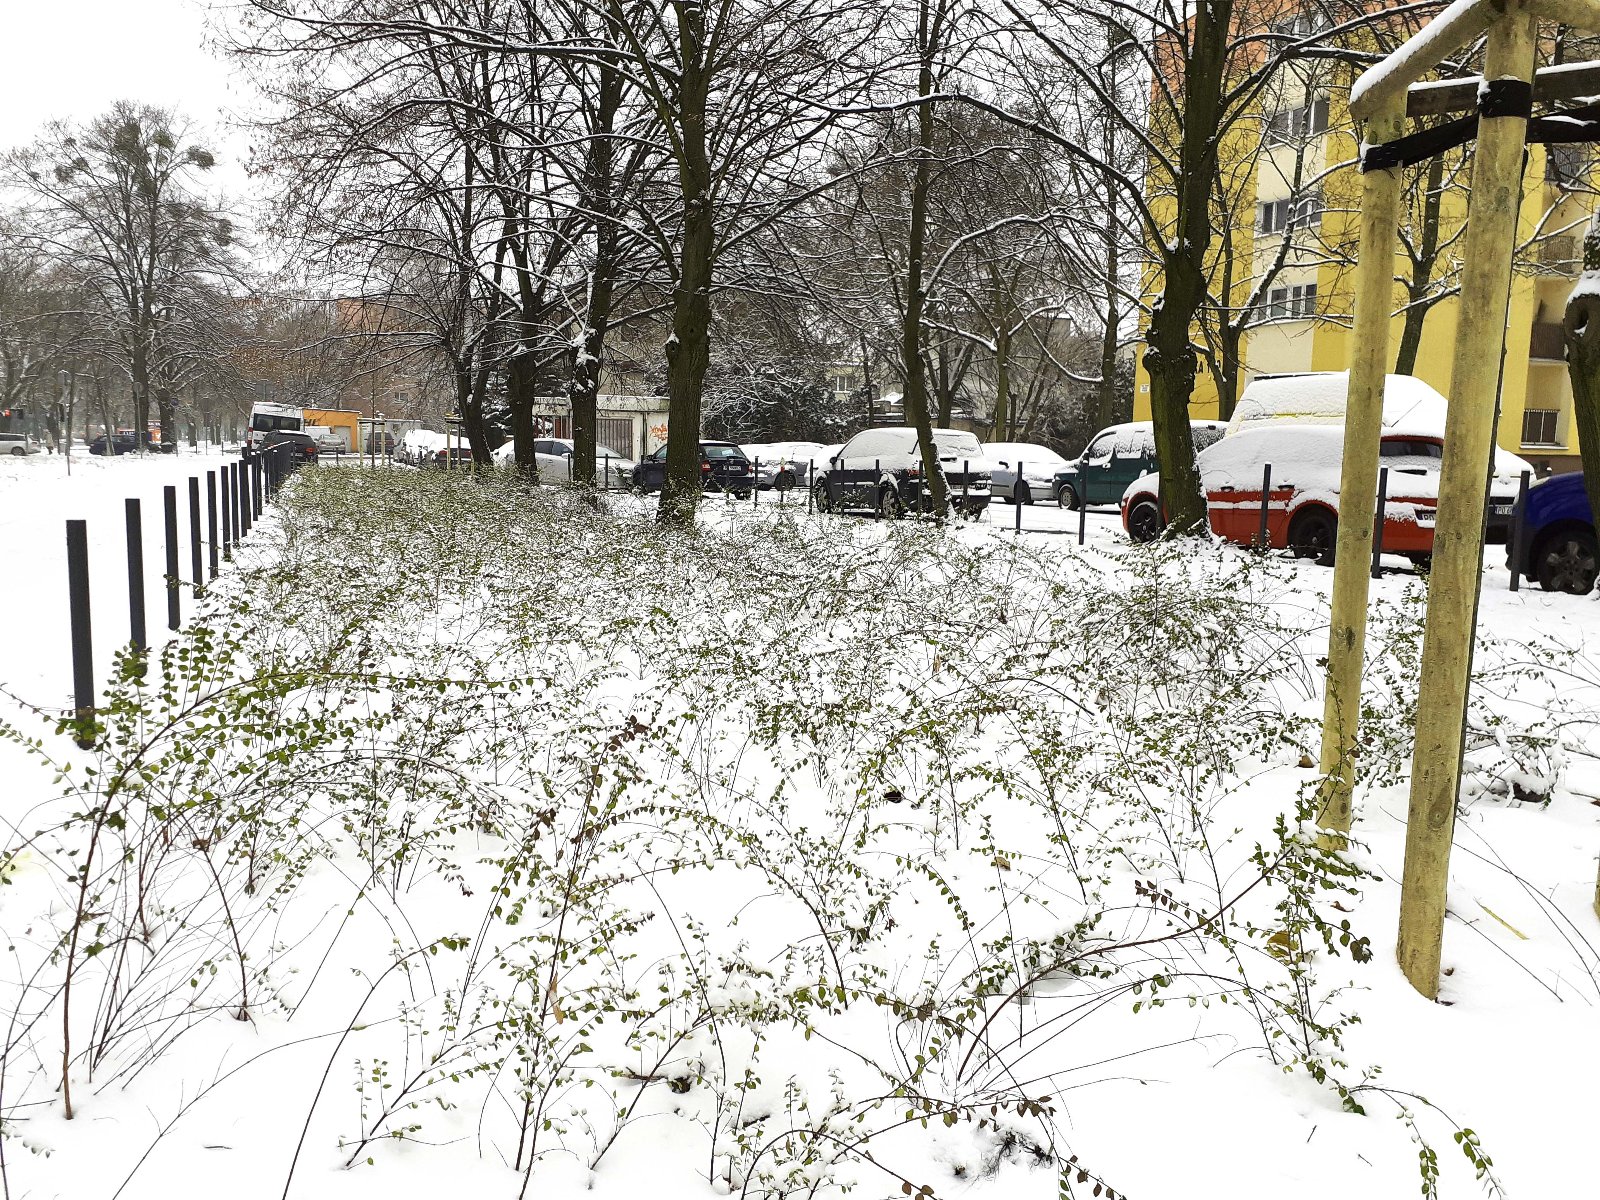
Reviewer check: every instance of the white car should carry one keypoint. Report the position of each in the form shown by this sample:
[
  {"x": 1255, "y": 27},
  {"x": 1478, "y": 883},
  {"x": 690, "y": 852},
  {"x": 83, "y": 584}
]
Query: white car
[
  {"x": 784, "y": 465},
  {"x": 18, "y": 444},
  {"x": 553, "y": 456},
  {"x": 1039, "y": 467}
]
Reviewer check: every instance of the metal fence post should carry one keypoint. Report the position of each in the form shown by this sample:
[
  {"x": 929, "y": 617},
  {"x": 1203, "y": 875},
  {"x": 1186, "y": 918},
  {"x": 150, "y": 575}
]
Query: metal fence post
[
  {"x": 247, "y": 504},
  {"x": 877, "y": 480},
  {"x": 1083, "y": 513},
  {"x": 135, "y": 528},
  {"x": 1377, "y": 533},
  {"x": 811, "y": 483},
  {"x": 169, "y": 506},
  {"x": 197, "y": 567},
  {"x": 755, "y": 490},
  {"x": 1016, "y": 497},
  {"x": 605, "y": 474},
  {"x": 82, "y": 637},
  {"x": 211, "y": 521},
  {"x": 1519, "y": 519},
  {"x": 1265, "y": 539},
  {"x": 237, "y": 494}
]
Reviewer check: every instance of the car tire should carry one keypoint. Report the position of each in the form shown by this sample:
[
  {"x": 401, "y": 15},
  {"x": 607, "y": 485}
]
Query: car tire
[
  {"x": 1314, "y": 534},
  {"x": 784, "y": 481},
  {"x": 1067, "y": 497},
  {"x": 820, "y": 498},
  {"x": 890, "y": 506},
  {"x": 1021, "y": 494},
  {"x": 1144, "y": 520},
  {"x": 18, "y": 452},
  {"x": 1567, "y": 562}
]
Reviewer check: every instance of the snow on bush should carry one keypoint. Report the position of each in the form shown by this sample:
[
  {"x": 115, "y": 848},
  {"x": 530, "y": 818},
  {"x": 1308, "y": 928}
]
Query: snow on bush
[{"x": 533, "y": 838}]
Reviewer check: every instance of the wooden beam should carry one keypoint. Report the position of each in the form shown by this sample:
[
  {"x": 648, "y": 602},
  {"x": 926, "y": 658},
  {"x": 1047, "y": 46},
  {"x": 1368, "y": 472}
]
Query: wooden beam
[
  {"x": 1452, "y": 29},
  {"x": 1569, "y": 81}
]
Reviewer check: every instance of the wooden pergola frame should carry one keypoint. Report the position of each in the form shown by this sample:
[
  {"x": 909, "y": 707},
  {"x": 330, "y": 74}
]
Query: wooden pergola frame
[{"x": 1501, "y": 103}]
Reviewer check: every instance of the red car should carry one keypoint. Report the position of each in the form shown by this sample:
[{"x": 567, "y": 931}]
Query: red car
[{"x": 1303, "y": 506}]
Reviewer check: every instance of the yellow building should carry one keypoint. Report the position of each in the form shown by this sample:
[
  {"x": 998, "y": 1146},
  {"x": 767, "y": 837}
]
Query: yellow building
[{"x": 1291, "y": 185}]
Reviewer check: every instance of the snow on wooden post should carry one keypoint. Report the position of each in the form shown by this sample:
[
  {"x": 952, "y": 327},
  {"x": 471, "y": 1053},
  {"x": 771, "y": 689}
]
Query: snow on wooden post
[
  {"x": 1363, "y": 426},
  {"x": 1492, "y": 212}
]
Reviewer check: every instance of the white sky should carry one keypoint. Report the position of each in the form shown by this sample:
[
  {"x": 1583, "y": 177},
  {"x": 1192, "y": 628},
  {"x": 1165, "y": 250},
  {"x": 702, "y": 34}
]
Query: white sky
[{"x": 72, "y": 58}]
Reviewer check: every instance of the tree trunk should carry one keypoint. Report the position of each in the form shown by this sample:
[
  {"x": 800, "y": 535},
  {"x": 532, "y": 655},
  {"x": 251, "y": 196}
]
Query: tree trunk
[
  {"x": 1231, "y": 336},
  {"x": 140, "y": 377},
  {"x": 522, "y": 386},
  {"x": 916, "y": 394},
  {"x": 1582, "y": 334},
  {"x": 689, "y": 347},
  {"x": 1422, "y": 264},
  {"x": 1002, "y": 385},
  {"x": 165, "y": 417},
  {"x": 469, "y": 403}
]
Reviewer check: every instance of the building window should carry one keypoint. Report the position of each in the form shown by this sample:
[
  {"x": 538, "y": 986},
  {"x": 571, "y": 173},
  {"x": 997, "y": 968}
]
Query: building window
[
  {"x": 1297, "y": 124},
  {"x": 1279, "y": 216},
  {"x": 1292, "y": 303},
  {"x": 1300, "y": 25},
  {"x": 1539, "y": 427}
]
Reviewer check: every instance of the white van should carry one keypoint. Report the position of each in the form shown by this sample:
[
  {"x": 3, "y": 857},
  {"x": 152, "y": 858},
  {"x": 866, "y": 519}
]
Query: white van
[{"x": 273, "y": 418}]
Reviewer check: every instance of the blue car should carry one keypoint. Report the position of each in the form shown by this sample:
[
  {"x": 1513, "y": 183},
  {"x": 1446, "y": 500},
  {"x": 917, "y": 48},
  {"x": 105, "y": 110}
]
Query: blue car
[{"x": 1558, "y": 537}]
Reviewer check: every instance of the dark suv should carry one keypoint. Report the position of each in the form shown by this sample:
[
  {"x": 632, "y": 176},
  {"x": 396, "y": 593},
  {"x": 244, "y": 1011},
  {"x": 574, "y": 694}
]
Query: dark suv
[
  {"x": 300, "y": 448},
  {"x": 1559, "y": 547},
  {"x": 123, "y": 441},
  {"x": 880, "y": 470},
  {"x": 723, "y": 468}
]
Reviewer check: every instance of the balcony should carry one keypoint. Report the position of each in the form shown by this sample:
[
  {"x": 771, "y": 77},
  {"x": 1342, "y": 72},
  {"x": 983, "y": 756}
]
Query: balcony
[
  {"x": 1562, "y": 255},
  {"x": 1546, "y": 342}
]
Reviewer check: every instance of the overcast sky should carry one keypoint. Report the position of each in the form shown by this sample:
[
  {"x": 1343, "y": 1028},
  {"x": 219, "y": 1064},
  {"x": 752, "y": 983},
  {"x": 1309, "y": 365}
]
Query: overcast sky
[{"x": 73, "y": 58}]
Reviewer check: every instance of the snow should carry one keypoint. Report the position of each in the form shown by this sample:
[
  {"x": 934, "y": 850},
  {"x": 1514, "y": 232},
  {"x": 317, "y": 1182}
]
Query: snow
[{"x": 947, "y": 665}]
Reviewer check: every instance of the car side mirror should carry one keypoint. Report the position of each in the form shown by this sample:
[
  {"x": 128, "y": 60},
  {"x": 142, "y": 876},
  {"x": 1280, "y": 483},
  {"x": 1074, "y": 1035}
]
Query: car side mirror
[{"x": 1004, "y": 463}]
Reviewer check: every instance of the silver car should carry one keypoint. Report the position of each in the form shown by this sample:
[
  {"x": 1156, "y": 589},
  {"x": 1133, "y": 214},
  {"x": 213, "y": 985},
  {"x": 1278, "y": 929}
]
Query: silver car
[{"x": 18, "y": 444}]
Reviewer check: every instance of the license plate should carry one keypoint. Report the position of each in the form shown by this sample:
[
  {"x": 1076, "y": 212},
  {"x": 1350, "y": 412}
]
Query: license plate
[{"x": 1502, "y": 510}]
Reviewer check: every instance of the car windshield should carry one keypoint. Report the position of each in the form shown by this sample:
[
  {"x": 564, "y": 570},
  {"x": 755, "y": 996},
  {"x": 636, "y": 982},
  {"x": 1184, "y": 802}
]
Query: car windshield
[
  {"x": 956, "y": 443},
  {"x": 1207, "y": 435},
  {"x": 268, "y": 423}
]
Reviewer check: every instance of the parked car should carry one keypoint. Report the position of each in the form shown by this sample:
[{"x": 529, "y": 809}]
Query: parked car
[
  {"x": 1040, "y": 466},
  {"x": 1303, "y": 507},
  {"x": 1411, "y": 409},
  {"x": 783, "y": 465},
  {"x": 18, "y": 444},
  {"x": 1559, "y": 548},
  {"x": 880, "y": 470},
  {"x": 454, "y": 455},
  {"x": 123, "y": 441},
  {"x": 302, "y": 447},
  {"x": 723, "y": 468},
  {"x": 1115, "y": 457},
  {"x": 553, "y": 457}
]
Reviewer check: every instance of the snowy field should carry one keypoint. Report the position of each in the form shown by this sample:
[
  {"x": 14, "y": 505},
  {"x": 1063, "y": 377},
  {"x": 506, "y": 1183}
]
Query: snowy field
[{"x": 476, "y": 843}]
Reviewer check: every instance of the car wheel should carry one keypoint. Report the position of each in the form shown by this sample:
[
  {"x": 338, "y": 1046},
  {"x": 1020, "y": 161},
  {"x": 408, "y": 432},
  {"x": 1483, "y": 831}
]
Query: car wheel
[
  {"x": 1021, "y": 494},
  {"x": 1314, "y": 535},
  {"x": 820, "y": 497},
  {"x": 1144, "y": 521},
  {"x": 1568, "y": 562},
  {"x": 744, "y": 495},
  {"x": 1067, "y": 497},
  {"x": 784, "y": 481},
  {"x": 18, "y": 451},
  {"x": 890, "y": 506}
]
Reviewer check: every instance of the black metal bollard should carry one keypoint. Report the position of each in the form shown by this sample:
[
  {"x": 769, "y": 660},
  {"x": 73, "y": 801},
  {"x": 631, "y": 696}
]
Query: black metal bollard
[
  {"x": 811, "y": 483},
  {"x": 1519, "y": 519},
  {"x": 169, "y": 507},
  {"x": 225, "y": 491},
  {"x": 135, "y": 525},
  {"x": 877, "y": 482},
  {"x": 247, "y": 506},
  {"x": 605, "y": 474},
  {"x": 1264, "y": 540},
  {"x": 82, "y": 636},
  {"x": 1083, "y": 514},
  {"x": 1016, "y": 497},
  {"x": 211, "y": 521},
  {"x": 238, "y": 502},
  {"x": 197, "y": 567},
  {"x": 1377, "y": 533},
  {"x": 755, "y": 491}
]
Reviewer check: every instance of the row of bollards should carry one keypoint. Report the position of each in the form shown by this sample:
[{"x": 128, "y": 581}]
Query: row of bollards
[{"x": 243, "y": 487}]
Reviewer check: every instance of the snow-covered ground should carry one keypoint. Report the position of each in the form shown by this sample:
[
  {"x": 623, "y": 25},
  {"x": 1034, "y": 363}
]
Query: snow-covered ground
[{"x": 710, "y": 849}]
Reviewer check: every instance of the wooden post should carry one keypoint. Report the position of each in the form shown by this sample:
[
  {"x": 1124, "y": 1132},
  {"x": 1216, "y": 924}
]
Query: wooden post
[
  {"x": 1358, "y": 479},
  {"x": 1458, "y": 538}
]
